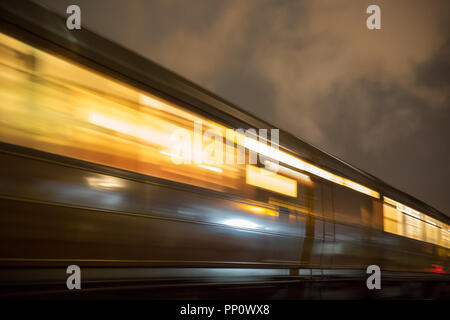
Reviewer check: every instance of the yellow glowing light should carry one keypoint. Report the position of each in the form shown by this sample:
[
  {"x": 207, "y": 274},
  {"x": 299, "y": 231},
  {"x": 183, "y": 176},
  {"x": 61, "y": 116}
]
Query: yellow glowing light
[
  {"x": 405, "y": 209},
  {"x": 390, "y": 201},
  {"x": 392, "y": 220},
  {"x": 260, "y": 210},
  {"x": 283, "y": 157},
  {"x": 169, "y": 154},
  {"x": 71, "y": 99},
  {"x": 158, "y": 104},
  {"x": 218, "y": 170},
  {"x": 173, "y": 155},
  {"x": 288, "y": 172},
  {"x": 131, "y": 129},
  {"x": 271, "y": 181},
  {"x": 407, "y": 222},
  {"x": 105, "y": 182}
]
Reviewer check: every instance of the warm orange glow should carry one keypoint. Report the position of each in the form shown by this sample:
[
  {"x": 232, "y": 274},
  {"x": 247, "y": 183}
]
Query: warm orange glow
[
  {"x": 143, "y": 132},
  {"x": 408, "y": 222},
  {"x": 303, "y": 178},
  {"x": 390, "y": 201},
  {"x": 60, "y": 107},
  {"x": 401, "y": 207},
  {"x": 288, "y": 159},
  {"x": 260, "y": 210},
  {"x": 393, "y": 220},
  {"x": 218, "y": 170},
  {"x": 271, "y": 181},
  {"x": 105, "y": 182}
]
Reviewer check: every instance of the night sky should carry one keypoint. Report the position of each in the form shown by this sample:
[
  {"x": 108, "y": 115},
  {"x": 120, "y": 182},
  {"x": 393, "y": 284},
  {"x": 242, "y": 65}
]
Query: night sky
[{"x": 378, "y": 99}]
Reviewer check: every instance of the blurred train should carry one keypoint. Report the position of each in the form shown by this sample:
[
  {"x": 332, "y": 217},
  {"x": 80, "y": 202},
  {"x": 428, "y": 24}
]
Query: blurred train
[{"x": 87, "y": 176}]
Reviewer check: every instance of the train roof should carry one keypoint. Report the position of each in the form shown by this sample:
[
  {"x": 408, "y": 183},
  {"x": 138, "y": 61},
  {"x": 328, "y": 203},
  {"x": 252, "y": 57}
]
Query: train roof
[{"x": 45, "y": 29}]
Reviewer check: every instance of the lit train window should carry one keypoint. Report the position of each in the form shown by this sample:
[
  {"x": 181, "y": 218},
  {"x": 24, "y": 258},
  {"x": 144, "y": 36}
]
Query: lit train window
[
  {"x": 50, "y": 104},
  {"x": 271, "y": 181},
  {"x": 414, "y": 228},
  {"x": 432, "y": 230},
  {"x": 405, "y": 221},
  {"x": 393, "y": 220},
  {"x": 445, "y": 237}
]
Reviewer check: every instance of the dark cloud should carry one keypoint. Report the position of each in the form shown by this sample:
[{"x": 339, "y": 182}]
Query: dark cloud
[{"x": 377, "y": 99}]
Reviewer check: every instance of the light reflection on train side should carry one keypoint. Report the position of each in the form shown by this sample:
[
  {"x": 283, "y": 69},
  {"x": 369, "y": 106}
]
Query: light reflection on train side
[
  {"x": 260, "y": 210},
  {"x": 105, "y": 182},
  {"x": 241, "y": 223}
]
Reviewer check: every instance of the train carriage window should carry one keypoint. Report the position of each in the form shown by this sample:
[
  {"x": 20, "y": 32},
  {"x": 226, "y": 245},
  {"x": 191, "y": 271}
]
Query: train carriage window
[
  {"x": 53, "y": 105},
  {"x": 432, "y": 231},
  {"x": 405, "y": 221},
  {"x": 445, "y": 236},
  {"x": 414, "y": 228},
  {"x": 269, "y": 180},
  {"x": 393, "y": 220}
]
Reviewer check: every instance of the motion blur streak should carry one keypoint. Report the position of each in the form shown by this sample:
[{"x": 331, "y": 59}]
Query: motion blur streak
[
  {"x": 305, "y": 166},
  {"x": 90, "y": 176},
  {"x": 53, "y": 105}
]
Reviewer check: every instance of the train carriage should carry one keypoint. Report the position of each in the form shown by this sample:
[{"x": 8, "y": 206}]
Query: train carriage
[{"x": 88, "y": 176}]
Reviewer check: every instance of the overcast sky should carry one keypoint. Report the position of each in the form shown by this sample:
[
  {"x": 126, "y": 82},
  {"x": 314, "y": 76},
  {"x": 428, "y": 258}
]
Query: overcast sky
[{"x": 378, "y": 99}]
